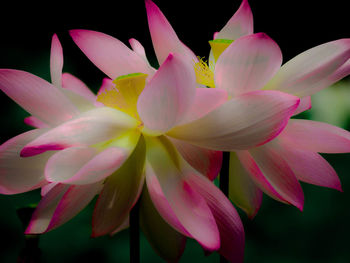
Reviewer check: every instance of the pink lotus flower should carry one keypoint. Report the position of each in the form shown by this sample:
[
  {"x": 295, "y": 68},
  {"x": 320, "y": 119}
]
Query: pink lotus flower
[
  {"x": 82, "y": 148},
  {"x": 240, "y": 63}
]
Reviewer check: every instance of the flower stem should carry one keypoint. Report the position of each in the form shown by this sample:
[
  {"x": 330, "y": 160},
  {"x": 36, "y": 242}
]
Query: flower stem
[
  {"x": 224, "y": 182},
  {"x": 134, "y": 234}
]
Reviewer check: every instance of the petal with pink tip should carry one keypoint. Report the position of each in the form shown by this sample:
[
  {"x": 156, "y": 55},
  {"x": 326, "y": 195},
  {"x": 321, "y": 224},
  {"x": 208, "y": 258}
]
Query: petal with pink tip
[
  {"x": 305, "y": 104},
  {"x": 59, "y": 205},
  {"x": 240, "y": 24},
  {"x": 35, "y": 122},
  {"x": 56, "y": 62},
  {"x": 37, "y": 96},
  {"x": 138, "y": 49},
  {"x": 226, "y": 217},
  {"x": 164, "y": 38},
  {"x": 187, "y": 204},
  {"x": 242, "y": 190},
  {"x": 316, "y": 137},
  {"x": 207, "y": 162},
  {"x": 165, "y": 240},
  {"x": 109, "y": 54},
  {"x": 89, "y": 128},
  {"x": 205, "y": 101},
  {"x": 168, "y": 95},
  {"x": 18, "y": 175},
  {"x": 272, "y": 174},
  {"x": 306, "y": 73},
  {"x": 243, "y": 122},
  {"x": 74, "y": 84},
  {"x": 247, "y": 64},
  {"x": 309, "y": 167},
  {"x": 119, "y": 194}
]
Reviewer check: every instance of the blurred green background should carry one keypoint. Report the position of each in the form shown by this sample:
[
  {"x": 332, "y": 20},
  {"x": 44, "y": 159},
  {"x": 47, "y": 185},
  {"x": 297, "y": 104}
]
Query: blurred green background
[{"x": 279, "y": 233}]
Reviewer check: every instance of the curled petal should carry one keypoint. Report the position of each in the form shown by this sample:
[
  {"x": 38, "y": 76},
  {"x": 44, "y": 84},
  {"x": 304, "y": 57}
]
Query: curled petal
[
  {"x": 240, "y": 24},
  {"x": 305, "y": 104},
  {"x": 241, "y": 123},
  {"x": 138, "y": 49},
  {"x": 35, "y": 122}
]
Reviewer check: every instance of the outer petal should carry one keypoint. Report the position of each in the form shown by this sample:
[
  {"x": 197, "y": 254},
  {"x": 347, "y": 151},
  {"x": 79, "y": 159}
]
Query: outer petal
[
  {"x": 205, "y": 101},
  {"x": 305, "y": 104},
  {"x": 247, "y": 64},
  {"x": 119, "y": 194},
  {"x": 309, "y": 167},
  {"x": 243, "y": 122},
  {"x": 37, "y": 96},
  {"x": 18, "y": 175},
  {"x": 272, "y": 174},
  {"x": 240, "y": 24},
  {"x": 207, "y": 162},
  {"x": 316, "y": 137},
  {"x": 308, "y": 72},
  {"x": 56, "y": 62},
  {"x": 164, "y": 38},
  {"x": 109, "y": 54},
  {"x": 242, "y": 190},
  {"x": 228, "y": 221},
  {"x": 188, "y": 205},
  {"x": 74, "y": 84},
  {"x": 167, "y": 242},
  {"x": 89, "y": 128},
  {"x": 59, "y": 205},
  {"x": 168, "y": 96}
]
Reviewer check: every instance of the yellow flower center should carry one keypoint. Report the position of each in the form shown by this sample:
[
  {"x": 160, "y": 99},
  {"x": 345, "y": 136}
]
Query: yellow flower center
[
  {"x": 203, "y": 73},
  {"x": 218, "y": 46},
  {"x": 125, "y": 94}
]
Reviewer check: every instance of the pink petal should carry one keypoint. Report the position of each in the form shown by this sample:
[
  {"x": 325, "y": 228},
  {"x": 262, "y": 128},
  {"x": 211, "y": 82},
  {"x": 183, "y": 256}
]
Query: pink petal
[
  {"x": 226, "y": 217},
  {"x": 59, "y": 205},
  {"x": 166, "y": 241},
  {"x": 247, "y": 64},
  {"x": 37, "y": 96},
  {"x": 89, "y": 128},
  {"x": 272, "y": 174},
  {"x": 18, "y": 175},
  {"x": 164, "y": 38},
  {"x": 74, "y": 84},
  {"x": 187, "y": 204},
  {"x": 84, "y": 165},
  {"x": 243, "y": 122},
  {"x": 340, "y": 73},
  {"x": 138, "y": 49},
  {"x": 240, "y": 24},
  {"x": 109, "y": 54},
  {"x": 316, "y": 137},
  {"x": 207, "y": 162},
  {"x": 310, "y": 167},
  {"x": 35, "y": 122},
  {"x": 305, "y": 104},
  {"x": 242, "y": 190},
  {"x": 56, "y": 62},
  {"x": 205, "y": 101},
  {"x": 119, "y": 194},
  {"x": 308, "y": 72},
  {"x": 168, "y": 95}
]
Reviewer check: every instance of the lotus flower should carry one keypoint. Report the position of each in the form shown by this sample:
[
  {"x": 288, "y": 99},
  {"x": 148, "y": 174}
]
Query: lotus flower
[{"x": 240, "y": 63}]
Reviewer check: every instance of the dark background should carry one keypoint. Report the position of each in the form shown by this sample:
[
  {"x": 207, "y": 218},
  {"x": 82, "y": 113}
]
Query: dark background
[{"x": 279, "y": 233}]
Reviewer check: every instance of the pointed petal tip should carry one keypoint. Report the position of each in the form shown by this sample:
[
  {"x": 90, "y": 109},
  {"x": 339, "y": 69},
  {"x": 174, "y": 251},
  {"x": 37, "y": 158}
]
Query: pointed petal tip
[{"x": 35, "y": 150}]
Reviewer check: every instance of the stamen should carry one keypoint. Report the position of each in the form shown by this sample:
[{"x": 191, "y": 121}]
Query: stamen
[
  {"x": 203, "y": 73},
  {"x": 125, "y": 93},
  {"x": 218, "y": 46}
]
